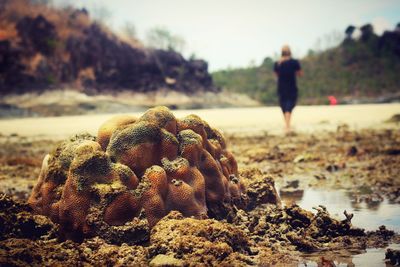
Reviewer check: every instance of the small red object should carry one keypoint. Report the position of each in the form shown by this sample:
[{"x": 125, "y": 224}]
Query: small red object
[{"x": 332, "y": 100}]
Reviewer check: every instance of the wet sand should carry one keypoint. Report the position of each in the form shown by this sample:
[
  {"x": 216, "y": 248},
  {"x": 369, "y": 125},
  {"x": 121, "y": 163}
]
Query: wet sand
[{"x": 305, "y": 119}]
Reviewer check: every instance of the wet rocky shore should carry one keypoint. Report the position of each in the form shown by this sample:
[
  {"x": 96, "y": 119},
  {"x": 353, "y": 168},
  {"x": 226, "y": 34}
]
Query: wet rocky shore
[{"x": 268, "y": 231}]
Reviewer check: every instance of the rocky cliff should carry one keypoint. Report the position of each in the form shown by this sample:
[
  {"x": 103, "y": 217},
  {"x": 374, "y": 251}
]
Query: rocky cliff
[{"x": 42, "y": 48}]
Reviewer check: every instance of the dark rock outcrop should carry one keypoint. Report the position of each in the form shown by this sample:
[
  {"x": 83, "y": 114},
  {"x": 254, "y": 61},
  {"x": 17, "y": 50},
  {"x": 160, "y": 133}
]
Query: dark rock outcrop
[
  {"x": 46, "y": 53},
  {"x": 37, "y": 35}
]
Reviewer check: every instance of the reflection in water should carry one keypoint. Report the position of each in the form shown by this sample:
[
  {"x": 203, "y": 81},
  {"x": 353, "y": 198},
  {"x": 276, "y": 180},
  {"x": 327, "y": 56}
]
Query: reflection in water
[
  {"x": 363, "y": 205},
  {"x": 368, "y": 257},
  {"x": 291, "y": 197},
  {"x": 369, "y": 215}
]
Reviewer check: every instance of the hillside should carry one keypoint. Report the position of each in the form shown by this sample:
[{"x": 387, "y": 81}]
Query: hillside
[
  {"x": 362, "y": 69},
  {"x": 44, "y": 48}
]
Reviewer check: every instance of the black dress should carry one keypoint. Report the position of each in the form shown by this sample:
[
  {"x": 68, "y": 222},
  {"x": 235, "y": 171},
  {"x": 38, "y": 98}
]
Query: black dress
[{"x": 287, "y": 87}]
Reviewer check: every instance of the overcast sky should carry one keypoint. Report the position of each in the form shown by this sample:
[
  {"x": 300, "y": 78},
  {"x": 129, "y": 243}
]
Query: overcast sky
[{"x": 235, "y": 32}]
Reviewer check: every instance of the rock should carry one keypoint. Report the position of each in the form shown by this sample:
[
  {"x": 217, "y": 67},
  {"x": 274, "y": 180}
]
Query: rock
[
  {"x": 352, "y": 151},
  {"x": 332, "y": 168},
  {"x": 162, "y": 260},
  {"x": 384, "y": 232},
  {"x": 393, "y": 256},
  {"x": 37, "y": 35},
  {"x": 17, "y": 221},
  {"x": 262, "y": 191},
  {"x": 302, "y": 243},
  {"x": 395, "y": 118},
  {"x": 294, "y": 184}
]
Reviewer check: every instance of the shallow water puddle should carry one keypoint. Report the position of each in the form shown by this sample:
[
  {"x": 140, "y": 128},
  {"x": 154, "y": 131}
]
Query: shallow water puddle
[
  {"x": 369, "y": 257},
  {"x": 366, "y": 215}
]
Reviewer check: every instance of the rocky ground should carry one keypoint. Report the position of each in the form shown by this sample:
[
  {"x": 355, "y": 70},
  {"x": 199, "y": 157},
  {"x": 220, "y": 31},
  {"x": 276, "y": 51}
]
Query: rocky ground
[
  {"x": 267, "y": 233},
  {"x": 365, "y": 162}
]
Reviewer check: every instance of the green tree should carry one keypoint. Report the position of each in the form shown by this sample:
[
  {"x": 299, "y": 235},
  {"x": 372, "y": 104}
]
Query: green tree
[
  {"x": 349, "y": 31},
  {"x": 100, "y": 13},
  {"x": 129, "y": 30},
  {"x": 362, "y": 68},
  {"x": 162, "y": 38}
]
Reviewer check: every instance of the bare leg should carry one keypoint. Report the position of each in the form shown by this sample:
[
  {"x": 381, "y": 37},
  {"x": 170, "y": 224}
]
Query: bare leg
[{"x": 287, "y": 116}]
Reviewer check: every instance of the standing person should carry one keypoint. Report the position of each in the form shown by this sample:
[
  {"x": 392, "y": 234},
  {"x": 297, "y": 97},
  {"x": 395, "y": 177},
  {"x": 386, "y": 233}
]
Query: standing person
[{"x": 286, "y": 69}]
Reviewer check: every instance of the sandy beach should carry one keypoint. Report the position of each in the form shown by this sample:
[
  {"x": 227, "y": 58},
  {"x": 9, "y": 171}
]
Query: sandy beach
[{"x": 305, "y": 119}]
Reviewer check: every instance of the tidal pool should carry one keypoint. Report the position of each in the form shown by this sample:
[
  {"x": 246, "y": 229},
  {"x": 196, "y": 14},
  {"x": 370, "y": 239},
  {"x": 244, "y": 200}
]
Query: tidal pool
[
  {"x": 373, "y": 257},
  {"x": 366, "y": 215}
]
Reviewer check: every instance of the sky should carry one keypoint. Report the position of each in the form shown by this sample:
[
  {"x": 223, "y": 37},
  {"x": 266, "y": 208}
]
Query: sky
[{"x": 238, "y": 33}]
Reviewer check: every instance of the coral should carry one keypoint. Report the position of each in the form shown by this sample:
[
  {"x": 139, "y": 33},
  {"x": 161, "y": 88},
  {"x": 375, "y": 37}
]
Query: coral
[
  {"x": 110, "y": 126},
  {"x": 195, "y": 241},
  {"x": 155, "y": 163}
]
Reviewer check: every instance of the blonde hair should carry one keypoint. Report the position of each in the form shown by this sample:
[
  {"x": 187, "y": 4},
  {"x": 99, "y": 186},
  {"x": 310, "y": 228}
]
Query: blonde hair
[
  {"x": 286, "y": 54},
  {"x": 286, "y": 51}
]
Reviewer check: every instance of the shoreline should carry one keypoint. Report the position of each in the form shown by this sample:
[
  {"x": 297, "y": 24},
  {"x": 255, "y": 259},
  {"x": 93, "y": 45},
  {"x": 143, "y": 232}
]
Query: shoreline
[{"x": 306, "y": 119}]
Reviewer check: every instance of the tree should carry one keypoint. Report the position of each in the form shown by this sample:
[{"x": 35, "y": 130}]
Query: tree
[
  {"x": 101, "y": 13},
  {"x": 349, "y": 31},
  {"x": 129, "y": 30},
  {"x": 310, "y": 52},
  {"x": 367, "y": 31},
  {"x": 327, "y": 41},
  {"x": 267, "y": 62},
  {"x": 193, "y": 56},
  {"x": 162, "y": 38}
]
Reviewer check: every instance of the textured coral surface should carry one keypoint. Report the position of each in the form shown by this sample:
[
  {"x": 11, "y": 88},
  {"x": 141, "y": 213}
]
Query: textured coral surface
[{"x": 149, "y": 165}]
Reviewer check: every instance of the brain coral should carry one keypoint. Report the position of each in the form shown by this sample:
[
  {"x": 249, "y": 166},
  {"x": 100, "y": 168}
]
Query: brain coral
[{"x": 155, "y": 163}]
